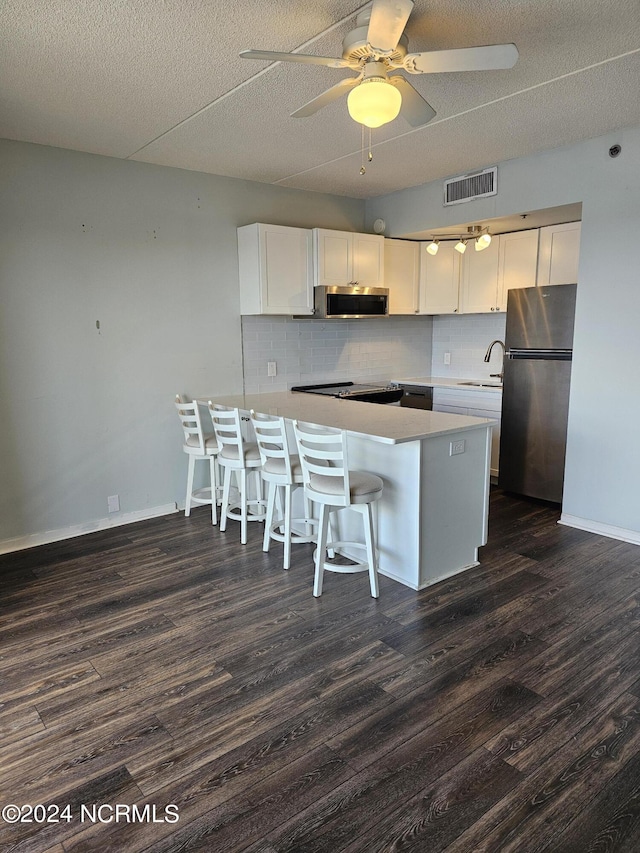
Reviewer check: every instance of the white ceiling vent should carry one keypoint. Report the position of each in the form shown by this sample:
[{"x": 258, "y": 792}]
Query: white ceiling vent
[{"x": 468, "y": 187}]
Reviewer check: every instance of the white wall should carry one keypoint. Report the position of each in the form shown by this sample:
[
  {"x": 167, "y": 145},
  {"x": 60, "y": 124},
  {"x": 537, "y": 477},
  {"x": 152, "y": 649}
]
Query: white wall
[
  {"x": 603, "y": 454},
  {"x": 149, "y": 253},
  {"x": 312, "y": 351}
]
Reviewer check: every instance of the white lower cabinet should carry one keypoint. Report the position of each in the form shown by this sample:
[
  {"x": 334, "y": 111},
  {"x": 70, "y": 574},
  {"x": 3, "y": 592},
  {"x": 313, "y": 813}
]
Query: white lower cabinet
[{"x": 477, "y": 404}]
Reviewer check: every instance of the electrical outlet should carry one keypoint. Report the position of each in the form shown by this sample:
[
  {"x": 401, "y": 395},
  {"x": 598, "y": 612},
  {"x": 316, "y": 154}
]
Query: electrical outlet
[
  {"x": 456, "y": 447},
  {"x": 113, "y": 503},
  {"x": 271, "y": 368},
  {"x": 447, "y": 358}
]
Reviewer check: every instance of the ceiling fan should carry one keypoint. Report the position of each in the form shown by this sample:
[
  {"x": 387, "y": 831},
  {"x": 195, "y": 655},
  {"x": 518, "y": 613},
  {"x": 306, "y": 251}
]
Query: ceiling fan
[{"x": 378, "y": 46}]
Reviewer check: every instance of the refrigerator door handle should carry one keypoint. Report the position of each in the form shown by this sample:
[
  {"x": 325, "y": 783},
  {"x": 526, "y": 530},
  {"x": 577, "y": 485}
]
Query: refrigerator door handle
[{"x": 539, "y": 354}]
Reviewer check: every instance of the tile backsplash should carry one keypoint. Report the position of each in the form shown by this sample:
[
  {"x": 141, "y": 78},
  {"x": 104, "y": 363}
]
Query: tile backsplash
[
  {"x": 466, "y": 337},
  {"x": 313, "y": 351}
]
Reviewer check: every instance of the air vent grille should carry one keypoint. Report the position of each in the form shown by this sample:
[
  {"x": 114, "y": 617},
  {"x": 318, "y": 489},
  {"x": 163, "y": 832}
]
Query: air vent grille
[{"x": 468, "y": 187}]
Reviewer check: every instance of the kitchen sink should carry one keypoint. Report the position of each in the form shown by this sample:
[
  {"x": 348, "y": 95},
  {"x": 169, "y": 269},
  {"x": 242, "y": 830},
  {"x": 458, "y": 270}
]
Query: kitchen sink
[{"x": 479, "y": 384}]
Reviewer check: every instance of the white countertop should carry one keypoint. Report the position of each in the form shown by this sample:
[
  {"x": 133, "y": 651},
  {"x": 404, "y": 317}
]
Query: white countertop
[
  {"x": 450, "y": 382},
  {"x": 387, "y": 424}
]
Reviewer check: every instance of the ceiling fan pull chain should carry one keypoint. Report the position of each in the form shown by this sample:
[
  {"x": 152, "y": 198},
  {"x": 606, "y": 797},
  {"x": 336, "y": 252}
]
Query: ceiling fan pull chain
[
  {"x": 363, "y": 171},
  {"x": 370, "y": 157}
]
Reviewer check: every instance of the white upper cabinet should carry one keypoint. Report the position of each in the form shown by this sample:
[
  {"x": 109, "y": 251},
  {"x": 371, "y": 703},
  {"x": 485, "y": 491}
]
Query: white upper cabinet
[
  {"x": 479, "y": 279},
  {"x": 344, "y": 257},
  {"x": 401, "y": 275},
  {"x": 439, "y": 279},
  {"x": 275, "y": 269},
  {"x": 559, "y": 253},
  {"x": 509, "y": 262},
  {"x": 517, "y": 263}
]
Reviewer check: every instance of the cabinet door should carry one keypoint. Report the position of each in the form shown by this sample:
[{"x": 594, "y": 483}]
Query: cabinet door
[
  {"x": 401, "y": 275},
  {"x": 286, "y": 255},
  {"x": 439, "y": 279},
  {"x": 558, "y": 254},
  {"x": 274, "y": 265},
  {"x": 495, "y": 436},
  {"x": 517, "y": 263},
  {"x": 479, "y": 290},
  {"x": 368, "y": 259},
  {"x": 333, "y": 251}
]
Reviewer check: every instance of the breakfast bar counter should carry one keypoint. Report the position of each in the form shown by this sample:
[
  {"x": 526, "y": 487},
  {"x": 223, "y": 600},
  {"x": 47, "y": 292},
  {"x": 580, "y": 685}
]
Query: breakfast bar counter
[{"x": 432, "y": 517}]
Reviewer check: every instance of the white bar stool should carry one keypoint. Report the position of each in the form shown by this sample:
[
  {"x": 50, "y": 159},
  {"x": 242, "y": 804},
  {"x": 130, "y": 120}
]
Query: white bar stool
[
  {"x": 239, "y": 457},
  {"x": 282, "y": 471},
  {"x": 199, "y": 447},
  {"x": 329, "y": 482}
]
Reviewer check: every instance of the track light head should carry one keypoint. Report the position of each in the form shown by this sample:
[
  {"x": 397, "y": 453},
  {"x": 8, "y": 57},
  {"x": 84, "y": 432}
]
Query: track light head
[{"x": 432, "y": 247}]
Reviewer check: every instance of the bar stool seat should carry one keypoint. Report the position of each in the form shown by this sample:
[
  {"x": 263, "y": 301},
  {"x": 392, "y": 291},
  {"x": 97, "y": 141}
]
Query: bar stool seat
[{"x": 329, "y": 482}]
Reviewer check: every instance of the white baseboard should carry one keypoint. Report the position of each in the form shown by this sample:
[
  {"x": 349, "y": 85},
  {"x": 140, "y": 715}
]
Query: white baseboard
[
  {"x": 621, "y": 533},
  {"x": 34, "y": 539}
]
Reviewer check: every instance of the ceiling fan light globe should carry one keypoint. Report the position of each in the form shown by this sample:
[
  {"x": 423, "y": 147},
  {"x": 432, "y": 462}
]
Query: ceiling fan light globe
[{"x": 374, "y": 102}]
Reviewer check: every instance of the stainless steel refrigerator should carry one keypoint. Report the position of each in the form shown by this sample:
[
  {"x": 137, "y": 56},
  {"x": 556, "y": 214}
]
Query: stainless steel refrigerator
[{"x": 535, "y": 397}]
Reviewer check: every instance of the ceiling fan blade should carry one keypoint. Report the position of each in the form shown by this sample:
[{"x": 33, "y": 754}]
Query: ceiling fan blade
[
  {"x": 327, "y": 97},
  {"x": 414, "y": 107},
  {"x": 306, "y": 58},
  {"x": 489, "y": 58},
  {"x": 387, "y": 22}
]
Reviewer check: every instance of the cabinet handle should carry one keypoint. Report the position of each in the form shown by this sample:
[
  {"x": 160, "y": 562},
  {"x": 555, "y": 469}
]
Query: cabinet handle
[{"x": 492, "y": 308}]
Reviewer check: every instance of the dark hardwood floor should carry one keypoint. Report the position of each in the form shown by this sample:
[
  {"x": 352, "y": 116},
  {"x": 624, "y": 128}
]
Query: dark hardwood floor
[{"x": 163, "y": 664}]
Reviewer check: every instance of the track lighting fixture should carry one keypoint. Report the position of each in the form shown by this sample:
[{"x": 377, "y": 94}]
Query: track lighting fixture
[{"x": 477, "y": 233}]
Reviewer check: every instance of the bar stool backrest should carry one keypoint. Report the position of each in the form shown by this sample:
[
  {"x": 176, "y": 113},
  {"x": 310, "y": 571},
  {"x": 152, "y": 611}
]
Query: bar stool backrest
[
  {"x": 189, "y": 415},
  {"x": 228, "y": 430},
  {"x": 323, "y": 458},
  {"x": 273, "y": 444}
]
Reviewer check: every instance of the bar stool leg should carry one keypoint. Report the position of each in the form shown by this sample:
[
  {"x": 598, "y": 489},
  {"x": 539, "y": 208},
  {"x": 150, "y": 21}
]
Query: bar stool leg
[
  {"x": 190, "y": 471},
  {"x": 287, "y": 527},
  {"x": 367, "y": 517},
  {"x": 321, "y": 550},
  {"x": 242, "y": 474},
  {"x": 225, "y": 499},
  {"x": 271, "y": 502},
  {"x": 214, "y": 490}
]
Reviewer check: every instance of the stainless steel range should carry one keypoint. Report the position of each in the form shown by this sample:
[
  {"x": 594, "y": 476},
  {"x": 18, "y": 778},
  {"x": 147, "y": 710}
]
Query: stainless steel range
[{"x": 388, "y": 393}]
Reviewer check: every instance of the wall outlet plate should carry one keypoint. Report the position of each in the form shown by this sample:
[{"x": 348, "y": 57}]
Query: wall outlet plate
[
  {"x": 456, "y": 447},
  {"x": 113, "y": 503},
  {"x": 271, "y": 368}
]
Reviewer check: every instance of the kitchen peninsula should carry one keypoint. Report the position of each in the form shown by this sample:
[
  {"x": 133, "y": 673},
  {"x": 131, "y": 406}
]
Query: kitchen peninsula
[{"x": 435, "y": 467}]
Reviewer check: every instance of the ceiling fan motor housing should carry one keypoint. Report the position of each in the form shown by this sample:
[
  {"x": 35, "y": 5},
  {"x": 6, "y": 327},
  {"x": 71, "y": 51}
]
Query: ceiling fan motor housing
[{"x": 355, "y": 46}]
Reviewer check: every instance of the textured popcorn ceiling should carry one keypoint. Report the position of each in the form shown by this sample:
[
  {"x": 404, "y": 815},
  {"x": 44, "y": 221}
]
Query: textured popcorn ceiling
[{"x": 160, "y": 81}]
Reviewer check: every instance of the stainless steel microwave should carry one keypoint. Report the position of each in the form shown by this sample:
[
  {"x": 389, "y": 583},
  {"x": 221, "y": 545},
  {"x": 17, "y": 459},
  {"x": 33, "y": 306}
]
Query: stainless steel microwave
[{"x": 350, "y": 302}]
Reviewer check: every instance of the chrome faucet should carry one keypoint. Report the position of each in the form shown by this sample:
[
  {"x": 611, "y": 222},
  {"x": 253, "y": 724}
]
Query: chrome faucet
[{"x": 487, "y": 356}]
